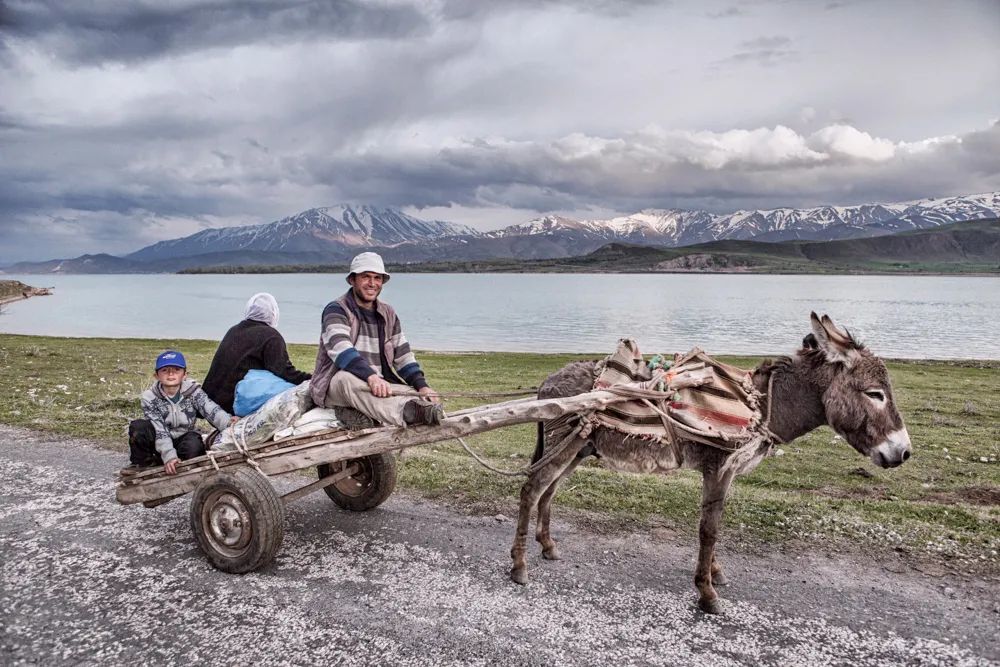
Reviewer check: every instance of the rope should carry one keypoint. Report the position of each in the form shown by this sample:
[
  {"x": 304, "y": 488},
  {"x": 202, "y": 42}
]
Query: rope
[
  {"x": 239, "y": 439},
  {"x": 766, "y": 426},
  {"x": 584, "y": 428},
  {"x": 507, "y": 473},
  {"x": 211, "y": 457}
]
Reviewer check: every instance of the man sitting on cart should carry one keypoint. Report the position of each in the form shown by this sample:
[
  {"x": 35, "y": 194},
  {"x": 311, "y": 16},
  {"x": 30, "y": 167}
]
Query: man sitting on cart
[{"x": 363, "y": 354}]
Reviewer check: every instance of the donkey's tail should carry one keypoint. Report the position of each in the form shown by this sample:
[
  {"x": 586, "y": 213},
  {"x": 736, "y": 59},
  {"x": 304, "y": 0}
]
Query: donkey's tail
[{"x": 539, "y": 443}]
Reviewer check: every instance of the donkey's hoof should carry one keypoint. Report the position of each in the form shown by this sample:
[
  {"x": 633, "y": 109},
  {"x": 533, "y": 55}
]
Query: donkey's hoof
[
  {"x": 719, "y": 579},
  {"x": 552, "y": 553},
  {"x": 519, "y": 575},
  {"x": 713, "y": 606}
]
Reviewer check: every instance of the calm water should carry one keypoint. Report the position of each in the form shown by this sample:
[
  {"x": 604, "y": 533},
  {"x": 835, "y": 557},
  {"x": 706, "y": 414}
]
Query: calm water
[{"x": 897, "y": 316}]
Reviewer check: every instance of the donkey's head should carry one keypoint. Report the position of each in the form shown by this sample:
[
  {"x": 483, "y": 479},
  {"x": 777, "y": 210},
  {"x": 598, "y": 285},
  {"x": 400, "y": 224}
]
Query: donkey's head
[{"x": 858, "y": 400}]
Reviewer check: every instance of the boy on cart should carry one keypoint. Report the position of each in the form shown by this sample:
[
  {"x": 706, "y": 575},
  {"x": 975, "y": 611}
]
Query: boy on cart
[{"x": 171, "y": 406}]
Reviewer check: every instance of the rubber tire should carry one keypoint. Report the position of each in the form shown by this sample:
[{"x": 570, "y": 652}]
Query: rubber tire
[
  {"x": 266, "y": 514},
  {"x": 378, "y": 479}
]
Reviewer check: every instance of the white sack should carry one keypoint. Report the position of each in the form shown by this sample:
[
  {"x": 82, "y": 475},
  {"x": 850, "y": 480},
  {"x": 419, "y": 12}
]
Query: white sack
[
  {"x": 260, "y": 426},
  {"x": 314, "y": 421}
]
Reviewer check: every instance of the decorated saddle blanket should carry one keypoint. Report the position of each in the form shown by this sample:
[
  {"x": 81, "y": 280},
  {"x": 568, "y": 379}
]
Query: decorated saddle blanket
[{"x": 722, "y": 411}]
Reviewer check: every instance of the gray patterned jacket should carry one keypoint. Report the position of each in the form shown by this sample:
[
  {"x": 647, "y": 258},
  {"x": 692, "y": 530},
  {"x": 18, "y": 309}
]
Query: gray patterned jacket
[{"x": 172, "y": 420}]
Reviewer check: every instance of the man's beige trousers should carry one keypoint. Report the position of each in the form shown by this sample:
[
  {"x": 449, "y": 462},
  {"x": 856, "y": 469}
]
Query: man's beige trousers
[{"x": 350, "y": 390}]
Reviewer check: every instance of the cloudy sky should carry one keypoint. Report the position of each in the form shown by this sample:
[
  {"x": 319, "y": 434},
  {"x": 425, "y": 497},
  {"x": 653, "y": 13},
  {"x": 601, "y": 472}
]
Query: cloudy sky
[{"x": 125, "y": 123}]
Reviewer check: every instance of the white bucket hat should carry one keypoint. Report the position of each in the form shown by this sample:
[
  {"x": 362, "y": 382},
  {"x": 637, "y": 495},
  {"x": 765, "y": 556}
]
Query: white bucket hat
[{"x": 368, "y": 261}]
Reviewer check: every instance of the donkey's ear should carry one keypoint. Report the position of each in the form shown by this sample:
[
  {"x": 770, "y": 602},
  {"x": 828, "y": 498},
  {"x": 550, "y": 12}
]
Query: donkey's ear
[{"x": 837, "y": 345}]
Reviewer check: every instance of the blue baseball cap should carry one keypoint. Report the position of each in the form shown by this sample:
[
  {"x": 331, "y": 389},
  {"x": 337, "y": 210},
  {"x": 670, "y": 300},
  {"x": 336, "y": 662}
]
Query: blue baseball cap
[{"x": 171, "y": 358}]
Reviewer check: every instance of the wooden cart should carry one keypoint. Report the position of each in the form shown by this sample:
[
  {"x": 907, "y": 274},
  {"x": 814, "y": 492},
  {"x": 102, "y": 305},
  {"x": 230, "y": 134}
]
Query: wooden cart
[{"x": 238, "y": 518}]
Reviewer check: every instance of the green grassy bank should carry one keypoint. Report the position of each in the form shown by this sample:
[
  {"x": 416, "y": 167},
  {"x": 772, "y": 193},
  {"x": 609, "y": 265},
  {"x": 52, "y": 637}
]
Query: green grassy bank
[{"x": 941, "y": 507}]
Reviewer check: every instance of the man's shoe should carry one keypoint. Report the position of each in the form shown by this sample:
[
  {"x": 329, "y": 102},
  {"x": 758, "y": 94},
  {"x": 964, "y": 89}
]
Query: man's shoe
[
  {"x": 353, "y": 420},
  {"x": 422, "y": 413}
]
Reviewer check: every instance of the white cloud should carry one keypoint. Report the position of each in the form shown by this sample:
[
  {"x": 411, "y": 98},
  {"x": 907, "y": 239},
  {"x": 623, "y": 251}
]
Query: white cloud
[{"x": 844, "y": 140}]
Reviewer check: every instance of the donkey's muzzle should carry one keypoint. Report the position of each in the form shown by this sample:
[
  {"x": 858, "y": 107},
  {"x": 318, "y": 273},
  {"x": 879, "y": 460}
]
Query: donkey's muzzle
[{"x": 893, "y": 451}]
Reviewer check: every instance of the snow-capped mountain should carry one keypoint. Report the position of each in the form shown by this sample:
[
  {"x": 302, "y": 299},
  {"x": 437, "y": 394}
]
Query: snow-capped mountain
[
  {"x": 676, "y": 227},
  {"x": 336, "y": 230},
  {"x": 335, "y": 234}
]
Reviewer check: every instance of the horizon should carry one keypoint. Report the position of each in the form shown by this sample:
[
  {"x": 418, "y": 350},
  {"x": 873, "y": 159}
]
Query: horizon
[
  {"x": 521, "y": 224},
  {"x": 127, "y": 125}
]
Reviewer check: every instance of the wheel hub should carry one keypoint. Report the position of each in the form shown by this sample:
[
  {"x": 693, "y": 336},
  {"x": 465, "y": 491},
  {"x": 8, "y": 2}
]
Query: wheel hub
[{"x": 229, "y": 523}]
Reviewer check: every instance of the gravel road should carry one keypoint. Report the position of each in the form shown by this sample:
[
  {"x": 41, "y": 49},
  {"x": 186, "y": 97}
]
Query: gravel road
[{"x": 87, "y": 581}]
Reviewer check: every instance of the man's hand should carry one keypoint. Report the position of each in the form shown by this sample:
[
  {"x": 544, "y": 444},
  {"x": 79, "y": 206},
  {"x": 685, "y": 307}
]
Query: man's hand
[
  {"x": 380, "y": 388},
  {"x": 429, "y": 394},
  {"x": 170, "y": 467}
]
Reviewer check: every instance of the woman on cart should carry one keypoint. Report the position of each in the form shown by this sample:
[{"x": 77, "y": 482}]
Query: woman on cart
[{"x": 253, "y": 343}]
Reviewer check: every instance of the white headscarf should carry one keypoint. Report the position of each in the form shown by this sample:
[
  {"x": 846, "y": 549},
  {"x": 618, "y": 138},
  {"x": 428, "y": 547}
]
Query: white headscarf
[{"x": 262, "y": 307}]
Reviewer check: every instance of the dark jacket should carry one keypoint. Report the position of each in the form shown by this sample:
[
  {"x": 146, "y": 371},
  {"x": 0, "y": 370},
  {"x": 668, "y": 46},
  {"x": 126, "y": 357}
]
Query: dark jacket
[{"x": 249, "y": 344}]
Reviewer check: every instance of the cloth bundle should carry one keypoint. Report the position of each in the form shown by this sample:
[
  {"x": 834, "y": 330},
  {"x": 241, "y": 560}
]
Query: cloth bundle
[
  {"x": 277, "y": 413},
  {"x": 722, "y": 412}
]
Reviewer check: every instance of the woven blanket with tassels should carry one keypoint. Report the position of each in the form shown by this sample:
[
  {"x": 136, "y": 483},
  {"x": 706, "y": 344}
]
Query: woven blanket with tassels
[{"x": 722, "y": 413}]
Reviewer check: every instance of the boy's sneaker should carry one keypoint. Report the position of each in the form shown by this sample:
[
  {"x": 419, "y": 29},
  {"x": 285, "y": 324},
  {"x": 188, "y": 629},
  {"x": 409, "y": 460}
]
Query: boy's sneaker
[
  {"x": 422, "y": 413},
  {"x": 133, "y": 469}
]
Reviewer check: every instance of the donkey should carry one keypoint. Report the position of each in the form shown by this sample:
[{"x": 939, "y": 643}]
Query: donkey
[{"x": 832, "y": 380}]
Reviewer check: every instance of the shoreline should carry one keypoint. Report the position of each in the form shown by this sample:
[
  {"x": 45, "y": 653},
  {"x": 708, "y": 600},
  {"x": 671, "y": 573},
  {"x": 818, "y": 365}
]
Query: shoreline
[
  {"x": 12, "y": 291},
  {"x": 984, "y": 362},
  {"x": 403, "y": 270}
]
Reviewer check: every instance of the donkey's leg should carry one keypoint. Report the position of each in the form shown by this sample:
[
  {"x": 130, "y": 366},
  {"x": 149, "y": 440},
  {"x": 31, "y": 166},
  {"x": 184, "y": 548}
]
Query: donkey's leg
[
  {"x": 542, "y": 534},
  {"x": 537, "y": 483},
  {"x": 715, "y": 486}
]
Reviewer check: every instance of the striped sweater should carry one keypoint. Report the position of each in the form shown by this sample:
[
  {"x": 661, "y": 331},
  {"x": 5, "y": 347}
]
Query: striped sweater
[{"x": 365, "y": 343}]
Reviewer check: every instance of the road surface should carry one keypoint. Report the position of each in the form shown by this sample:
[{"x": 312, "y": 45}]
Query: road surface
[{"x": 84, "y": 580}]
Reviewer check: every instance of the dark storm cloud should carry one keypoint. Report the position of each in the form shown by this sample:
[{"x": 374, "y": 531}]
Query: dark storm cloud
[
  {"x": 766, "y": 42},
  {"x": 726, "y": 13},
  {"x": 109, "y": 30},
  {"x": 470, "y": 9},
  {"x": 763, "y": 51},
  {"x": 124, "y": 31}
]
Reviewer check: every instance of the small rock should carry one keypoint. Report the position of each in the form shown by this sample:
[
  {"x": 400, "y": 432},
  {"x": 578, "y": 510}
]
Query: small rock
[
  {"x": 949, "y": 591},
  {"x": 500, "y": 517},
  {"x": 983, "y": 459},
  {"x": 779, "y": 452}
]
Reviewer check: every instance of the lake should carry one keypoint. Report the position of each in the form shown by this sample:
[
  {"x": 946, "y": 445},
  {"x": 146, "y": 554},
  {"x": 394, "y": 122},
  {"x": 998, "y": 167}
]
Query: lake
[{"x": 937, "y": 317}]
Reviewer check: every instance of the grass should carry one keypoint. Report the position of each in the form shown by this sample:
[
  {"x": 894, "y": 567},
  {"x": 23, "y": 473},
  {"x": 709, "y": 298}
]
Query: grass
[{"x": 942, "y": 506}]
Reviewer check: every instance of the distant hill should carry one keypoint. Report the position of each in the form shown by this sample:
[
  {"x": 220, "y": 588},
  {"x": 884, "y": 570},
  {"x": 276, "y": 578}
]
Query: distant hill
[
  {"x": 967, "y": 247},
  {"x": 101, "y": 263}
]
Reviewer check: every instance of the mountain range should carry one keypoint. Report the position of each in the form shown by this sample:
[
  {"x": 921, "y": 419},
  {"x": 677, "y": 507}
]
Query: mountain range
[{"x": 334, "y": 234}]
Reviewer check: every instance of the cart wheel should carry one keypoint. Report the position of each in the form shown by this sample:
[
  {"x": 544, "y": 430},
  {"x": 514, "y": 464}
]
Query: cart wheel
[
  {"x": 366, "y": 489},
  {"x": 238, "y": 520}
]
